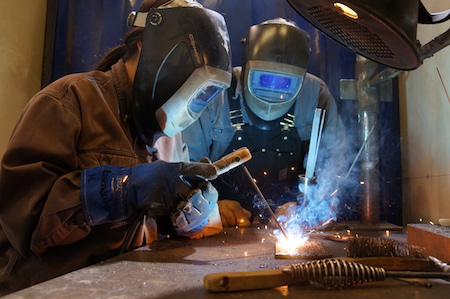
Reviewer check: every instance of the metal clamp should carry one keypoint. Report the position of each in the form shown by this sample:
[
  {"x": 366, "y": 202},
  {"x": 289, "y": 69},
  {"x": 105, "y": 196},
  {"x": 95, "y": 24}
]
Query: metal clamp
[
  {"x": 288, "y": 123},
  {"x": 237, "y": 119}
]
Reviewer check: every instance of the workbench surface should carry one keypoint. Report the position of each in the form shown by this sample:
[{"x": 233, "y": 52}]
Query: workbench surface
[{"x": 175, "y": 267}]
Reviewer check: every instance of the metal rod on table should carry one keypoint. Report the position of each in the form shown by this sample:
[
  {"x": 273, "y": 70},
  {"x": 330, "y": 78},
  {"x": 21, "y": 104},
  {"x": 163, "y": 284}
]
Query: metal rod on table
[{"x": 265, "y": 201}]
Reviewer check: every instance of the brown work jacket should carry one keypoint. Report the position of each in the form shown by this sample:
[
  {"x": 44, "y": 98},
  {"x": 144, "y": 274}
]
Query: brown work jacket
[{"x": 77, "y": 122}]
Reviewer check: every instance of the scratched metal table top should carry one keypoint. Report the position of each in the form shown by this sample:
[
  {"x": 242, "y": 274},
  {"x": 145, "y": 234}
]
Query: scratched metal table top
[{"x": 175, "y": 268}]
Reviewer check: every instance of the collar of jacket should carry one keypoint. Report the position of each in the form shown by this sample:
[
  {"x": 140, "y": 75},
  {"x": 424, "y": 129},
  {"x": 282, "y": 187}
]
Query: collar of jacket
[{"x": 123, "y": 89}]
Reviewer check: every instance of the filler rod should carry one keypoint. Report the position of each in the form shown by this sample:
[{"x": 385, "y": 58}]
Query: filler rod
[{"x": 264, "y": 200}]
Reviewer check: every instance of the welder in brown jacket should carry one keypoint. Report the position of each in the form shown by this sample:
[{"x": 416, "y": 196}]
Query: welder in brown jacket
[{"x": 75, "y": 185}]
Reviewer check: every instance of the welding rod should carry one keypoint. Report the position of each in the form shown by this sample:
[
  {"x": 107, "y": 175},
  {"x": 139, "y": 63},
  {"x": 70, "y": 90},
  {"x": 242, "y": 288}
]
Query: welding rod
[{"x": 265, "y": 201}]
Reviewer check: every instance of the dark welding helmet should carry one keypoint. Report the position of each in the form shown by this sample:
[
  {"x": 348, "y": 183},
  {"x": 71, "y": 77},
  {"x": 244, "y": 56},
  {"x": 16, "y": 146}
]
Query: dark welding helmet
[
  {"x": 184, "y": 63},
  {"x": 276, "y": 56}
]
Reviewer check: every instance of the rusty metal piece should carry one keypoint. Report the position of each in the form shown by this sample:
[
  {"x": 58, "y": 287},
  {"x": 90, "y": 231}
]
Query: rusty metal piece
[{"x": 310, "y": 250}]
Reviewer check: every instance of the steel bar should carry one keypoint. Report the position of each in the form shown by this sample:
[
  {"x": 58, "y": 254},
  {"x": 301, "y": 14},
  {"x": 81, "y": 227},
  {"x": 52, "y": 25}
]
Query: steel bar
[{"x": 265, "y": 201}]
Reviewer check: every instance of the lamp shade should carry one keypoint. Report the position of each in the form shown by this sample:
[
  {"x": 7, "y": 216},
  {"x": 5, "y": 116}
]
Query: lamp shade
[{"x": 381, "y": 30}]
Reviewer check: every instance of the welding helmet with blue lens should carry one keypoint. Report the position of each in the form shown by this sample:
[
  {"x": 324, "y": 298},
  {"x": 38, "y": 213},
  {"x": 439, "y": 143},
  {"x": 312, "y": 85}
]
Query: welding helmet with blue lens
[
  {"x": 276, "y": 57},
  {"x": 184, "y": 63}
]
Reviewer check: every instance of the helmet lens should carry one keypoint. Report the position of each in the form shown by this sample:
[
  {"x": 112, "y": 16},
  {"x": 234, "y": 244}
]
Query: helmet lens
[
  {"x": 203, "y": 97},
  {"x": 275, "y": 81},
  {"x": 274, "y": 87}
]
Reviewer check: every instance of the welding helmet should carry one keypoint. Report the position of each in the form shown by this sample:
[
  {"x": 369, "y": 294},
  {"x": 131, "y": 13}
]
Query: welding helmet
[
  {"x": 184, "y": 63},
  {"x": 276, "y": 56}
]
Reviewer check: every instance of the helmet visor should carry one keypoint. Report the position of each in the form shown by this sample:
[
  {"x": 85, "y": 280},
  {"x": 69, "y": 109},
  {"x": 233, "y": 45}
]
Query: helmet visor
[
  {"x": 274, "y": 87},
  {"x": 189, "y": 101},
  {"x": 273, "y": 82},
  {"x": 203, "y": 97}
]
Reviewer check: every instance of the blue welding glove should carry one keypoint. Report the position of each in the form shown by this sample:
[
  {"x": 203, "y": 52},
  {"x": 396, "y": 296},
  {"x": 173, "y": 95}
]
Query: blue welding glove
[
  {"x": 192, "y": 214},
  {"x": 111, "y": 193}
]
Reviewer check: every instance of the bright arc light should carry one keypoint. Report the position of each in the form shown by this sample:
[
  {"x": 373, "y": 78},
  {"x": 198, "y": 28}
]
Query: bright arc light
[
  {"x": 347, "y": 11},
  {"x": 292, "y": 245}
]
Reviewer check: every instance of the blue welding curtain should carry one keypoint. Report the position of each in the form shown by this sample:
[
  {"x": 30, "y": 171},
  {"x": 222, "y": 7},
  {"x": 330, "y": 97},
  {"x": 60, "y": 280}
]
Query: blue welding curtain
[{"x": 87, "y": 29}]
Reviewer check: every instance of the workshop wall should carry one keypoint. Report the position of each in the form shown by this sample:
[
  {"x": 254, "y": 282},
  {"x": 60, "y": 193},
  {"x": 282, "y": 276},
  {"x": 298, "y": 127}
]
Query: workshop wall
[
  {"x": 425, "y": 122},
  {"x": 22, "y": 25}
]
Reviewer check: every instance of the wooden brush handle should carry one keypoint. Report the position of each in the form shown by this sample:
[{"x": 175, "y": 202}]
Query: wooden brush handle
[{"x": 242, "y": 281}]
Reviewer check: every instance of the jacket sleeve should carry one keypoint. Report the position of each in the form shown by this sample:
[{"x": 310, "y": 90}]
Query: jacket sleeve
[{"x": 40, "y": 179}]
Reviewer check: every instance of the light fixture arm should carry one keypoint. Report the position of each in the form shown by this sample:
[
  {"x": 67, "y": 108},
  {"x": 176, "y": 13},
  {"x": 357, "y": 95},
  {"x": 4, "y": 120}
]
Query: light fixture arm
[
  {"x": 435, "y": 45},
  {"x": 426, "y": 51}
]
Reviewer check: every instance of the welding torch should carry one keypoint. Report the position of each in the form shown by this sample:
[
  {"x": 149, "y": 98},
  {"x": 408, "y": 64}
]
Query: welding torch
[
  {"x": 232, "y": 160},
  {"x": 223, "y": 165}
]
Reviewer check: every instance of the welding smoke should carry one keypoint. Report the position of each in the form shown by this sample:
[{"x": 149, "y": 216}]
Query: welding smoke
[{"x": 319, "y": 200}]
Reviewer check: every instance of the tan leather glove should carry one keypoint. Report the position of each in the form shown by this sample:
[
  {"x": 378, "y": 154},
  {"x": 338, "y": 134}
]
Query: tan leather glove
[
  {"x": 232, "y": 213},
  {"x": 213, "y": 227}
]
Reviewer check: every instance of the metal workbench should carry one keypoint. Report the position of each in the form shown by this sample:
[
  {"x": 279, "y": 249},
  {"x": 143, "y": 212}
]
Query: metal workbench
[{"x": 175, "y": 267}]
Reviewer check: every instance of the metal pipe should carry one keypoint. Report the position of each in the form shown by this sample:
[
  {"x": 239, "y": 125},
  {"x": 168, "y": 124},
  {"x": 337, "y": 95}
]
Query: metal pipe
[{"x": 368, "y": 120}]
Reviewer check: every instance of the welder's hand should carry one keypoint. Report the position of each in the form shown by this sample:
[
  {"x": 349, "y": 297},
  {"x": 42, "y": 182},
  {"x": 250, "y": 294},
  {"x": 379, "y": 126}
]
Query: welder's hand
[
  {"x": 232, "y": 213},
  {"x": 212, "y": 227},
  {"x": 111, "y": 193},
  {"x": 205, "y": 160},
  {"x": 284, "y": 213},
  {"x": 192, "y": 214}
]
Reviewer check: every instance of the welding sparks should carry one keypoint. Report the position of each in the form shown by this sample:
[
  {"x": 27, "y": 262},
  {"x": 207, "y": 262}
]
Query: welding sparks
[
  {"x": 292, "y": 244},
  {"x": 298, "y": 246}
]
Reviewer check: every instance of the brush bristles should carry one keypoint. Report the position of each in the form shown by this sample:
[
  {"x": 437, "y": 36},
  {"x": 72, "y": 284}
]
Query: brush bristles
[{"x": 359, "y": 247}]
